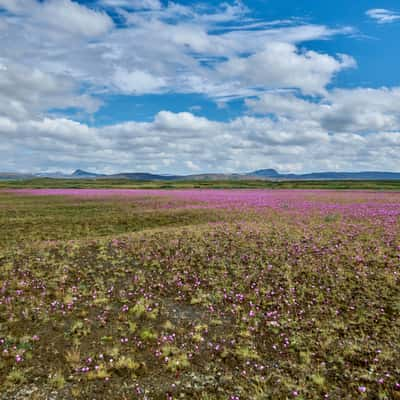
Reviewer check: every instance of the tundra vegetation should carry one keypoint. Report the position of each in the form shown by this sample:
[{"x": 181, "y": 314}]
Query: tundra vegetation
[{"x": 199, "y": 294}]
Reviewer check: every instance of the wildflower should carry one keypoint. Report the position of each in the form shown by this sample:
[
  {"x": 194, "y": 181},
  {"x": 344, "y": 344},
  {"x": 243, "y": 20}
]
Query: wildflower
[
  {"x": 362, "y": 389},
  {"x": 125, "y": 308}
]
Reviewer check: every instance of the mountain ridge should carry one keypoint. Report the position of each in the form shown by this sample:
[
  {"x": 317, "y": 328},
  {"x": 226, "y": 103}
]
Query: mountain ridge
[{"x": 262, "y": 174}]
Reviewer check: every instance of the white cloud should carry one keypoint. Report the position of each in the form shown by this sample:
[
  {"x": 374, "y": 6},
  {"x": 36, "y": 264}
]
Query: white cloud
[
  {"x": 283, "y": 65},
  {"x": 341, "y": 110},
  {"x": 7, "y": 125},
  {"x": 134, "y": 4},
  {"x": 74, "y": 17},
  {"x": 137, "y": 82},
  {"x": 28, "y": 91},
  {"x": 383, "y": 16},
  {"x": 363, "y": 109},
  {"x": 65, "y": 15},
  {"x": 17, "y": 6},
  {"x": 192, "y": 166},
  {"x": 186, "y": 143},
  {"x": 182, "y": 122},
  {"x": 284, "y": 104}
]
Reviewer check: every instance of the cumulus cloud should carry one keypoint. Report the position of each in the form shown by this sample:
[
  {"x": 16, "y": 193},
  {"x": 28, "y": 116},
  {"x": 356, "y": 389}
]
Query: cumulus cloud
[
  {"x": 74, "y": 18},
  {"x": 383, "y": 16},
  {"x": 185, "y": 143},
  {"x": 27, "y": 91},
  {"x": 65, "y": 15},
  {"x": 340, "y": 110},
  {"x": 283, "y": 65},
  {"x": 137, "y": 82},
  {"x": 182, "y": 122},
  {"x": 284, "y": 104},
  {"x": 363, "y": 109}
]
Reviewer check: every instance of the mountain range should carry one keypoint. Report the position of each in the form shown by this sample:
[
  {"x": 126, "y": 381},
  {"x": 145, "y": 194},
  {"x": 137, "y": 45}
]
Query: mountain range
[{"x": 263, "y": 174}]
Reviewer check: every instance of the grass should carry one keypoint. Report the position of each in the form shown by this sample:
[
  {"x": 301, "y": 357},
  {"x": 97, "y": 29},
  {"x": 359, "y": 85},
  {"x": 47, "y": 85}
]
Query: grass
[
  {"x": 25, "y": 219},
  {"x": 123, "y": 298},
  {"x": 205, "y": 184}
]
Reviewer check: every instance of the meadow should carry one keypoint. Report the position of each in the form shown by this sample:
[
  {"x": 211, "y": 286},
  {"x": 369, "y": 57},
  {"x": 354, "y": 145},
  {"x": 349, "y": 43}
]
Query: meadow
[{"x": 202, "y": 294}]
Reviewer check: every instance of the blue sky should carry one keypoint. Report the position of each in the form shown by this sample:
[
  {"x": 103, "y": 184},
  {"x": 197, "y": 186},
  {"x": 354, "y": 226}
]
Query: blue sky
[{"x": 190, "y": 87}]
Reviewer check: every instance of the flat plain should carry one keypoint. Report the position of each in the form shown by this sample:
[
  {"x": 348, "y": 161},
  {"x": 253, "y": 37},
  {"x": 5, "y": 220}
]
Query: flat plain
[{"x": 199, "y": 293}]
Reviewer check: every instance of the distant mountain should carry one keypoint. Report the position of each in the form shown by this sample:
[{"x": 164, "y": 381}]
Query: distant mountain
[
  {"x": 79, "y": 173},
  {"x": 8, "y": 176},
  {"x": 364, "y": 175},
  {"x": 213, "y": 177},
  {"x": 264, "y": 174},
  {"x": 144, "y": 176}
]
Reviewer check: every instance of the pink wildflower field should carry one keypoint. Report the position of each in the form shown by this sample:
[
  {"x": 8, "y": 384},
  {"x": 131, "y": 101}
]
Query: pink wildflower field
[{"x": 199, "y": 294}]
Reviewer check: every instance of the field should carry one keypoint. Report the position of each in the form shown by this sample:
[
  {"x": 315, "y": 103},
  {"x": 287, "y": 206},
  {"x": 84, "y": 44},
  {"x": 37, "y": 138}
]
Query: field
[
  {"x": 43, "y": 183},
  {"x": 205, "y": 294}
]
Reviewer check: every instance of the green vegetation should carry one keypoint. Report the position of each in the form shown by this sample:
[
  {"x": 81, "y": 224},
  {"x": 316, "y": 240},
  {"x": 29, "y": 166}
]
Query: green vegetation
[
  {"x": 209, "y": 184},
  {"x": 26, "y": 219}
]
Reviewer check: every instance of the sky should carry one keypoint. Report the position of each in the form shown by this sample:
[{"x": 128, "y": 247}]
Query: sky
[{"x": 192, "y": 87}]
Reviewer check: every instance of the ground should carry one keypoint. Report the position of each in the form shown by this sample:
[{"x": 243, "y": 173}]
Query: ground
[{"x": 199, "y": 294}]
